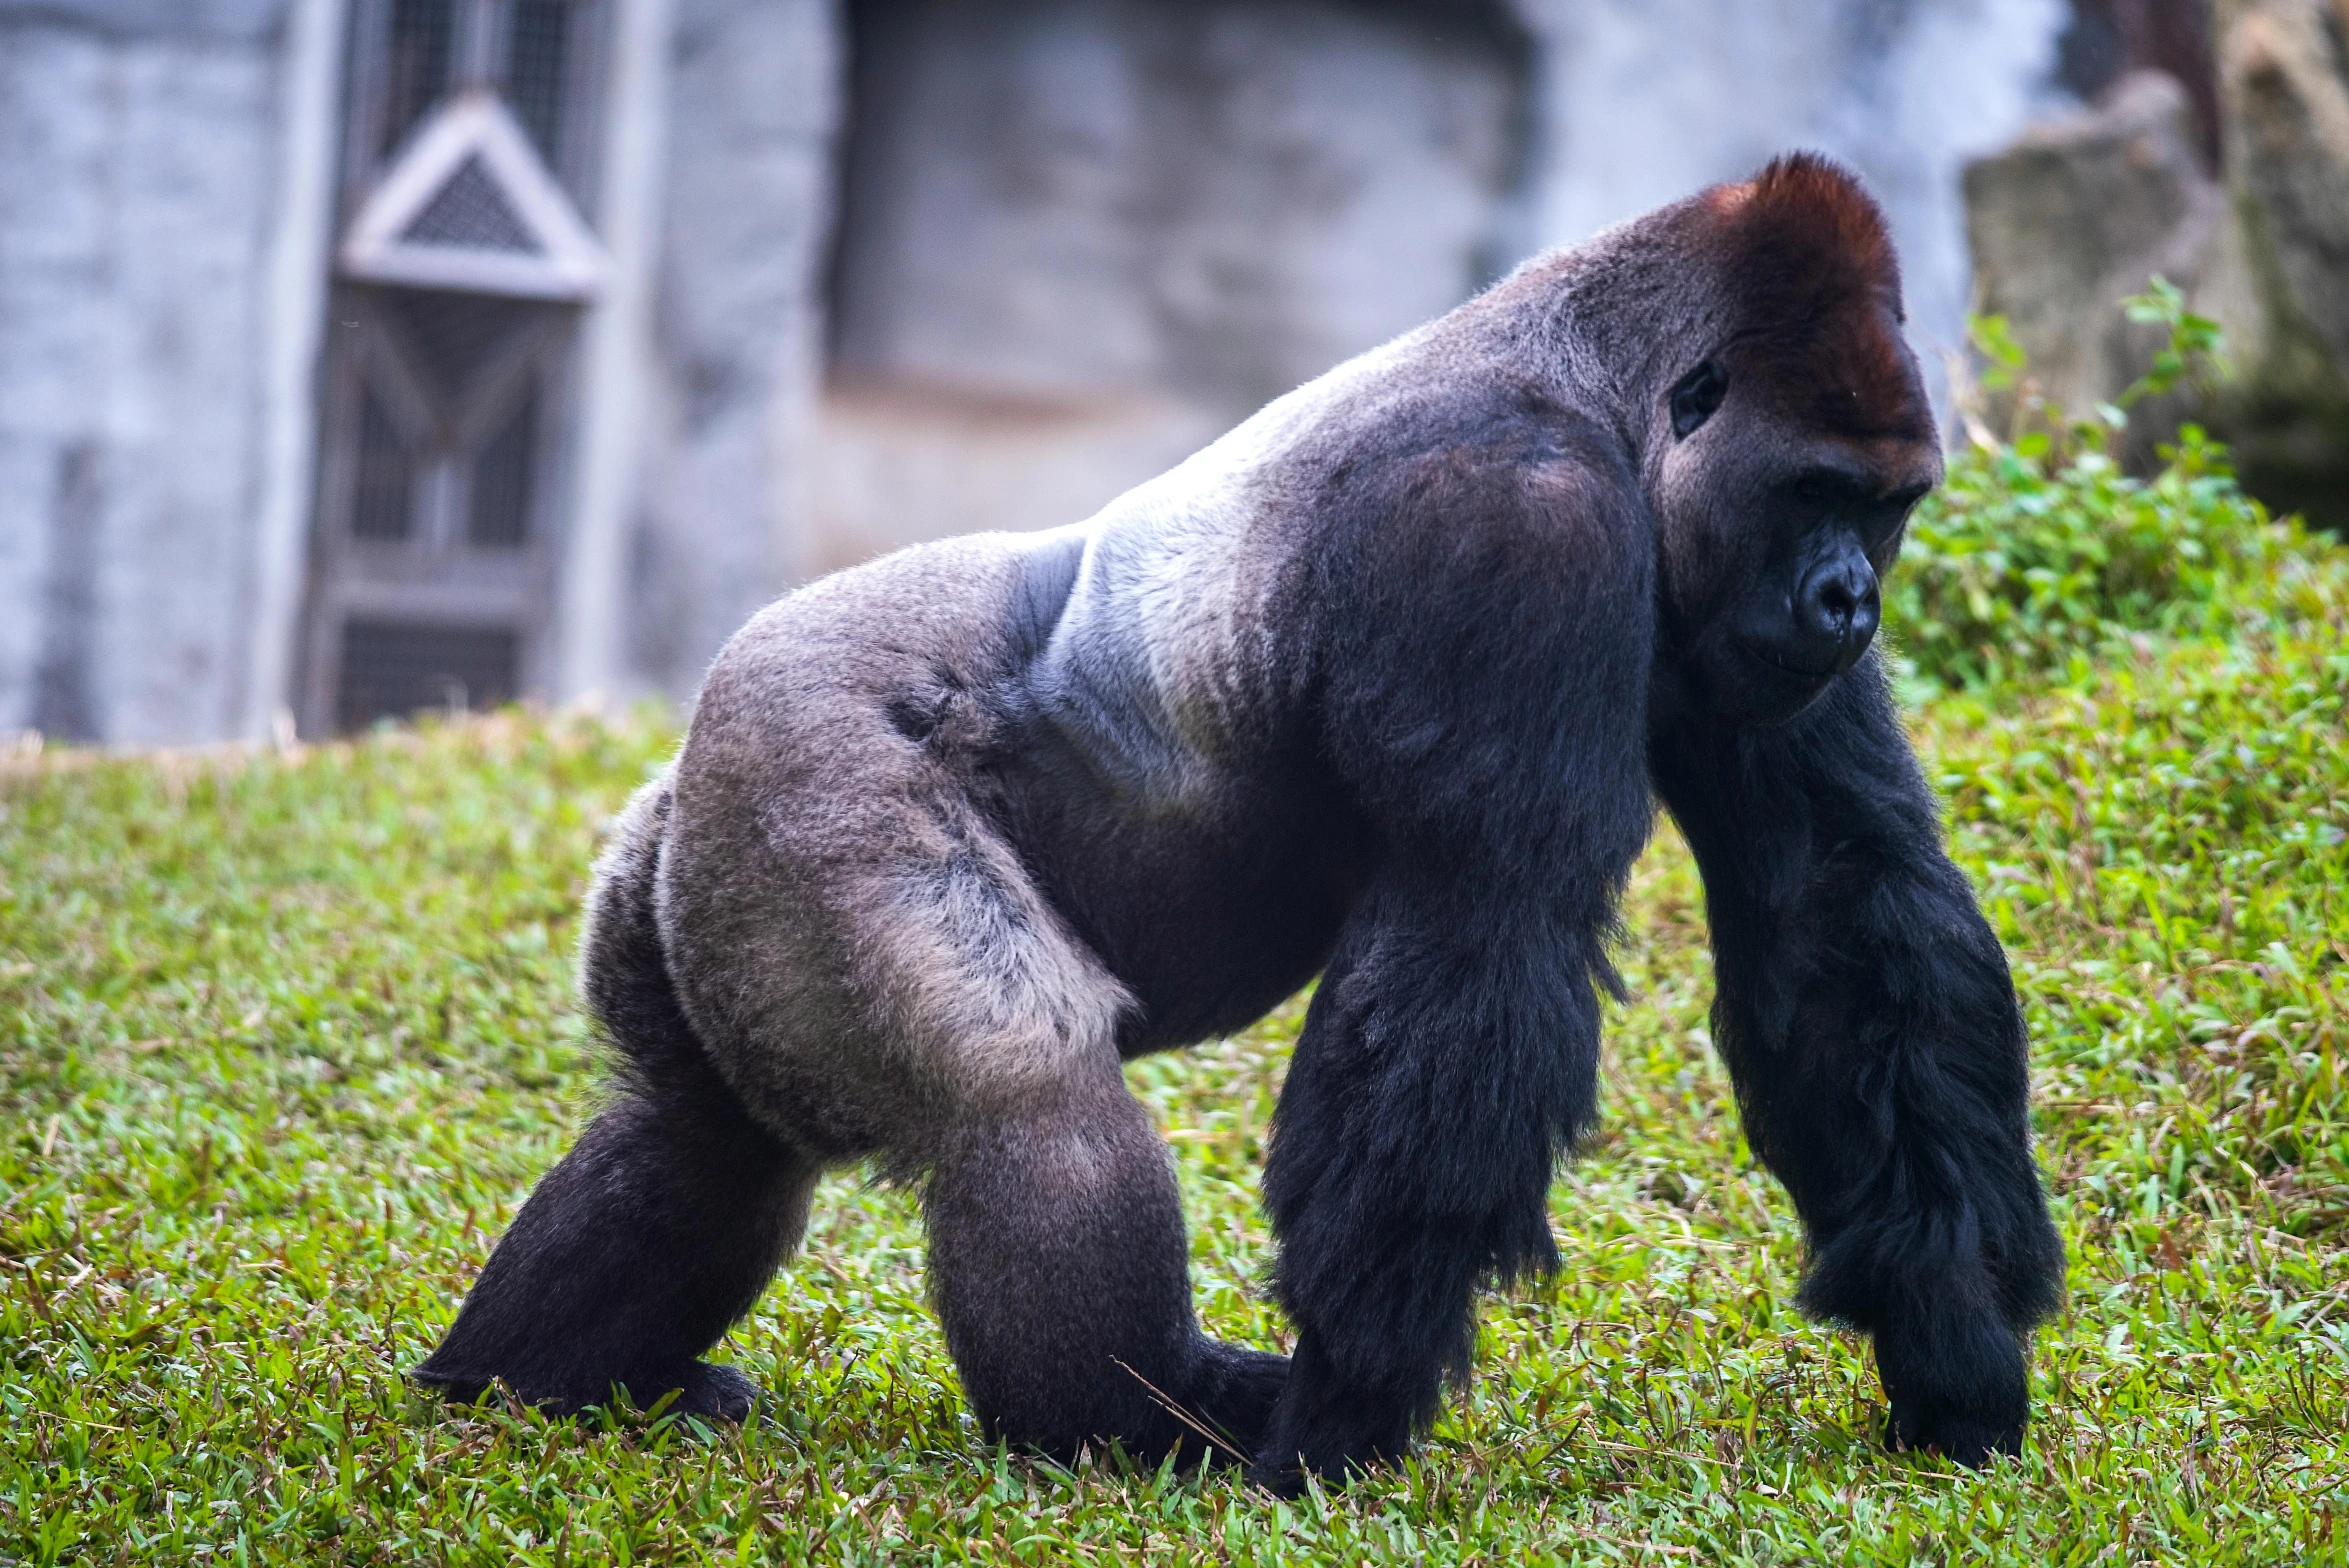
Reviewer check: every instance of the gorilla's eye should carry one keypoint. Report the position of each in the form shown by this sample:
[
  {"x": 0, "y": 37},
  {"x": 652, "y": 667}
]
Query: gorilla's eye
[{"x": 1695, "y": 397}]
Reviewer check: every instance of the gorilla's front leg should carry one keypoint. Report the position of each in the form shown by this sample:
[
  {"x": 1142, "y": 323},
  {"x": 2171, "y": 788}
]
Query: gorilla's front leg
[
  {"x": 1867, "y": 1019},
  {"x": 1061, "y": 1274},
  {"x": 1449, "y": 1055}
]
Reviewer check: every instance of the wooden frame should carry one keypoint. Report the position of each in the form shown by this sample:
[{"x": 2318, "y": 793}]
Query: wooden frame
[
  {"x": 434, "y": 575},
  {"x": 570, "y": 264},
  {"x": 383, "y": 341}
]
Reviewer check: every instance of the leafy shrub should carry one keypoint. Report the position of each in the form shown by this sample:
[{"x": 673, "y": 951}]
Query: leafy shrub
[{"x": 2039, "y": 553}]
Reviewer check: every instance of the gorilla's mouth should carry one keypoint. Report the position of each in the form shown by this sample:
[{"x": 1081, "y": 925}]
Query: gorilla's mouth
[{"x": 1799, "y": 672}]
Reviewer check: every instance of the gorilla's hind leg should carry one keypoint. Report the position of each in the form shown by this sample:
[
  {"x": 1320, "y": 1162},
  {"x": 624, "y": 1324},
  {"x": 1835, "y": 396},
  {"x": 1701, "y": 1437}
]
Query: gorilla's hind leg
[
  {"x": 662, "y": 1225},
  {"x": 1060, "y": 1270},
  {"x": 633, "y": 1256}
]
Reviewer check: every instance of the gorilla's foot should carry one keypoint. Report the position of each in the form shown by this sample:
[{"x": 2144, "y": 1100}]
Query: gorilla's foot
[
  {"x": 1324, "y": 1427},
  {"x": 1234, "y": 1391},
  {"x": 1334, "y": 1451},
  {"x": 715, "y": 1393},
  {"x": 719, "y": 1393},
  {"x": 1959, "y": 1387}
]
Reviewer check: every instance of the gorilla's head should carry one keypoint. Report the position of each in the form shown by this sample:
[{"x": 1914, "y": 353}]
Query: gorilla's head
[{"x": 1787, "y": 442}]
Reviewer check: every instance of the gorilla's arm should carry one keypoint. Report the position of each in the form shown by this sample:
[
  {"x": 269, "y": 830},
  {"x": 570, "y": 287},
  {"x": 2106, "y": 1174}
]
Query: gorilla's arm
[
  {"x": 1482, "y": 695},
  {"x": 1866, "y": 1016}
]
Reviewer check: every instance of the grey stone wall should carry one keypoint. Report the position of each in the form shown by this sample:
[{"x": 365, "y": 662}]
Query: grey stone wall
[
  {"x": 137, "y": 153},
  {"x": 1224, "y": 199},
  {"x": 1081, "y": 237},
  {"x": 754, "y": 109}
]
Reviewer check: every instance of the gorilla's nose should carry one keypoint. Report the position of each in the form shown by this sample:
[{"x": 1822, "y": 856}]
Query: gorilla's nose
[{"x": 1836, "y": 609}]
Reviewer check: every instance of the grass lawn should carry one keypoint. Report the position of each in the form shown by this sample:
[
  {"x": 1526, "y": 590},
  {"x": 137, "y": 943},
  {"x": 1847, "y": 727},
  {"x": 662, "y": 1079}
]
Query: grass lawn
[{"x": 284, "y": 1039}]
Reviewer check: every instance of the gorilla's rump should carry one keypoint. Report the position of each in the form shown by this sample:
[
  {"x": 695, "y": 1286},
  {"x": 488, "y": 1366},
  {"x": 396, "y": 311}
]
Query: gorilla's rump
[{"x": 861, "y": 949}]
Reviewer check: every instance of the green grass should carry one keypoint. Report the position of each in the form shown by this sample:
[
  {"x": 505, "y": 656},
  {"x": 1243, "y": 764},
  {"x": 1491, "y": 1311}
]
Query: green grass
[{"x": 284, "y": 1039}]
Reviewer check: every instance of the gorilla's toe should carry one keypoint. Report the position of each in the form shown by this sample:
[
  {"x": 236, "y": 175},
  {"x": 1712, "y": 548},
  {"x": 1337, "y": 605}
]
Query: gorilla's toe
[
  {"x": 717, "y": 1392},
  {"x": 1236, "y": 1389}
]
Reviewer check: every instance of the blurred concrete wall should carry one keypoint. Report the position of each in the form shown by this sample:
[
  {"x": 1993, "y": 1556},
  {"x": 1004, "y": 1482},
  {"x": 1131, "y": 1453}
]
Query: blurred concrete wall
[
  {"x": 1082, "y": 237},
  {"x": 886, "y": 269},
  {"x": 746, "y": 202},
  {"x": 141, "y": 144}
]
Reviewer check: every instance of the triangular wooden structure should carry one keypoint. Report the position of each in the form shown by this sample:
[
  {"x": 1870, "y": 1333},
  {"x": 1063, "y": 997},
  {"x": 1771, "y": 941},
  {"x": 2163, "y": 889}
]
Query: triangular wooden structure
[{"x": 469, "y": 205}]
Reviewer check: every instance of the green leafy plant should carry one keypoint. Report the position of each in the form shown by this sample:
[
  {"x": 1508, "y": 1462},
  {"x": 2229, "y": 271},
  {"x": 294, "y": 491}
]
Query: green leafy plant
[
  {"x": 2194, "y": 354},
  {"x": 2040, "y": 554}
]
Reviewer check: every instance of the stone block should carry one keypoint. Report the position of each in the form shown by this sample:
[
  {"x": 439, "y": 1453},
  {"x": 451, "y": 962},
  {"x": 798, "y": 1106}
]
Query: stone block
[
  {"x": 2282, "y": 283},
  {"x": 2077, "y": 215}
]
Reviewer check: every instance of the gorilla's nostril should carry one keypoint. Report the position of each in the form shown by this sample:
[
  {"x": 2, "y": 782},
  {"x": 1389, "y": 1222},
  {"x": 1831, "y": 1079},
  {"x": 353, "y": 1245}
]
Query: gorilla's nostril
[
  {"x": 1831, "y": 605},
  {"x": 1837, "y": 601}
]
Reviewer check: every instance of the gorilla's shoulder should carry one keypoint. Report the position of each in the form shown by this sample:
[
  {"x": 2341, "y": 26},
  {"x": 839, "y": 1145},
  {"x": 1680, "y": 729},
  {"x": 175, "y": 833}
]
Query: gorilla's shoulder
[
  {"x": 1475, "y": 454},
  {"x": 1463, "y": 424}
]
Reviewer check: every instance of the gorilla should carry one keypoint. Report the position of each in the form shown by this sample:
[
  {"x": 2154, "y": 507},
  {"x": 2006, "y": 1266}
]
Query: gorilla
[{"x": 1384, "y": 686}]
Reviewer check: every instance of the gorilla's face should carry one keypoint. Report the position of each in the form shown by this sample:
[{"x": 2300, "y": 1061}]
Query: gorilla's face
[{"x": 1775, "y": 531}]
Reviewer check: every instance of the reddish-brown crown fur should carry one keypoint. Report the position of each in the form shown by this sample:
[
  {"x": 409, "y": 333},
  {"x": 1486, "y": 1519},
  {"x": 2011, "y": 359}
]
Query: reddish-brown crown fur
[{"x": 1809, "y": 265}]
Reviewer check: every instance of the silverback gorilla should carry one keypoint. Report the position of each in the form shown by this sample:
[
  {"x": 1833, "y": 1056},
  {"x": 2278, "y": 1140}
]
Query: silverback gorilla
[{"x": 1383, "y": 686}]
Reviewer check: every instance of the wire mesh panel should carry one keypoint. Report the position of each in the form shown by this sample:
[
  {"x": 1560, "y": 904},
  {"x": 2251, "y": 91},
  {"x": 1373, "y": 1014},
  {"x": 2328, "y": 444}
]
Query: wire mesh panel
[
  {"x": 392, "y": 669},
  {"x": 453, "y": 339},
  {"x": 418, "y": 50},
  {"x": 538, "y": 57},
  {"x": 446, "y": 419},
  {"x": 472, "y": 212},
  {"x": 381, "y": 497},
  {"x": 408, "y": 56},
  {"x": 498, "y": 509}
]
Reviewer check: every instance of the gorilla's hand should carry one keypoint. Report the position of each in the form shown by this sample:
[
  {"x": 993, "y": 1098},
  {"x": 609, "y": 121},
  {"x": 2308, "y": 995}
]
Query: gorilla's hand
[{"x": 1962, "y": 1391}]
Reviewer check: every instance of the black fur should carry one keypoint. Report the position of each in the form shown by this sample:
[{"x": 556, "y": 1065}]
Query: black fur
[
  {"x": 1451, "y": 1051},
  {"x": 656, "y": 1232},
  {"x": 1866, "y": 1016}
]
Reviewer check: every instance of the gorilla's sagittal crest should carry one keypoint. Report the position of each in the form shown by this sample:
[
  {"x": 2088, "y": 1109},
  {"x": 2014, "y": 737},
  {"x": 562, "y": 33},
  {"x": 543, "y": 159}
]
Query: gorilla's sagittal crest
[{"x": 1383, "y": 686}]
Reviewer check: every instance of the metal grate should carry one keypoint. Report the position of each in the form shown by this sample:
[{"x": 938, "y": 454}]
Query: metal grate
[
  {"x": 451, "y": 337},
  {"x": 379, "y": 492},
  {"x": 498, "y": 516},
  {"x": 472, "y": 212},
  {"x": 416, "y": 65},
  {"x": 537, "y": 64},
  {"x": 391, "y": 669},
  {"x": 447, "y": 413}
]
